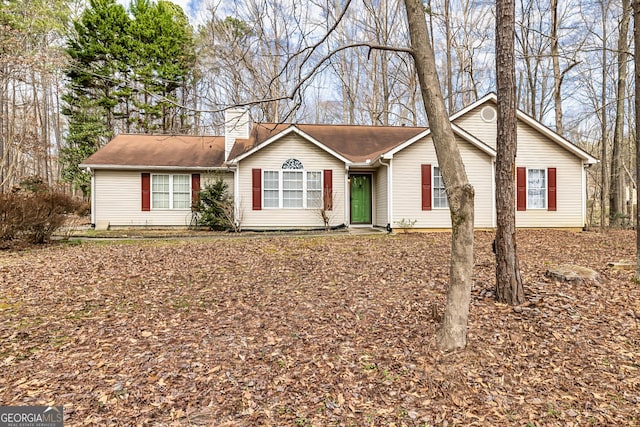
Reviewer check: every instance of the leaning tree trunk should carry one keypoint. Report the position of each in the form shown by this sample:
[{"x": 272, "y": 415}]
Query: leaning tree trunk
[
  {"x": 508, "y": 282},
  {"x": 453, "y": 331}
]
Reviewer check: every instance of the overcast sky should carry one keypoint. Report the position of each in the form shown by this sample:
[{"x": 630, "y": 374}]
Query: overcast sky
[{"x": 190, "y": 7}]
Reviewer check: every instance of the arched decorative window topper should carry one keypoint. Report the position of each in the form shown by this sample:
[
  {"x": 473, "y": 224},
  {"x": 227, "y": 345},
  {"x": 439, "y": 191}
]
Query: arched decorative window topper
[{"x": 292, "y": 164}]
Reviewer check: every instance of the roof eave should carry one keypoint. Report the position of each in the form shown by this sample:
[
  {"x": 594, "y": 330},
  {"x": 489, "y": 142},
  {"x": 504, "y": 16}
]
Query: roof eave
[
  {"x": 148, "y": 167},
  {"x": 491, "y": 96},
  {"x": 291, "y": 129},
  {"x": 389, "y": 154},
  {"x": 563, "y": 142},
  {"x": 473, "y": 140}
]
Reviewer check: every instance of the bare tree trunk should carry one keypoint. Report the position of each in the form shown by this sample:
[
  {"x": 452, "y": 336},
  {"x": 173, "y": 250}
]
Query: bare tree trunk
[
  {"x": 460, "y": 194},
  {"x": 386, "y": 92},
  {"x": 373, "y": 76},
  {"x": 617, "y": 187},
  {"x": 508, "y": 282},
  {"x": 604, "y": 176},
  {"x": 630, "y": 153},
  {"x": 274, "y": 88},
  {"x": 3, "y": 148},
  {"x": 57, "y": 131},
  {"x": 557, "y": 75},
  {"x": 46, "y": 128},
  {"x": 636, "y": 44},
  {"x": 447, "y": 36}
]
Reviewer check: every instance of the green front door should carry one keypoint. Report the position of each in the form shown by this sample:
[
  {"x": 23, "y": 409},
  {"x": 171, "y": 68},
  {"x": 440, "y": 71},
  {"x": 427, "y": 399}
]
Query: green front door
[{"x": 360, "y": 199}]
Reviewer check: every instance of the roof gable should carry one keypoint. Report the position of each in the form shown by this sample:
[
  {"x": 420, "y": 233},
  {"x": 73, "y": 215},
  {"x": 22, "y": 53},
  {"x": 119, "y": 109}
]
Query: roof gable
[
  {"x": 350, "y": 144},
  {"x": 253, "y": 144},
  {"x": 533, "y": 123},
  {"x": 128, "y": 151},
  {"x": 456, "y": 130}
]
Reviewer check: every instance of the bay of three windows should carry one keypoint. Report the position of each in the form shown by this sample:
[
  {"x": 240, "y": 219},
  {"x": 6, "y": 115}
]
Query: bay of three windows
[{"x": 292, "y": 189}]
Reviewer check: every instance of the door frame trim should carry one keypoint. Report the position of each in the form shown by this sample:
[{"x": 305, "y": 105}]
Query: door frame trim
[{"x": 370, "y": 175}]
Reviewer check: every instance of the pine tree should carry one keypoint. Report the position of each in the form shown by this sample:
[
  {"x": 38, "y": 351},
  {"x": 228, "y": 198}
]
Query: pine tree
[
  {"x": 164, "y": 59},
  {"x": 86, "y": 133},
  {"x": 98, "y": 52},
  {"x": 127, "y": 73}
]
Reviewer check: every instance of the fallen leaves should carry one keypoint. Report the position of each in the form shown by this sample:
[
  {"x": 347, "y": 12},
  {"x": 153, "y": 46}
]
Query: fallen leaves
[{"x": 332, "y": 330}]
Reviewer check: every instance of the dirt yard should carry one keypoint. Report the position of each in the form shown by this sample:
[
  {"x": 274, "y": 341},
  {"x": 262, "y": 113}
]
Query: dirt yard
[{"x": 316, "y": 331}]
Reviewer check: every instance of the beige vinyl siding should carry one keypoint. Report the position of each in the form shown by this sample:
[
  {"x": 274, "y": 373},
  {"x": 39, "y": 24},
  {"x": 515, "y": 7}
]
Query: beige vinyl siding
[
  {"x": 407, "y": 203},
  {"x": 380, "y": 213},
  {"x": 118, "y": 200},
  {"x": 473, "y": 123},
  {"x": 272, "y": 157},
  {"x": 537, "y": 152}
]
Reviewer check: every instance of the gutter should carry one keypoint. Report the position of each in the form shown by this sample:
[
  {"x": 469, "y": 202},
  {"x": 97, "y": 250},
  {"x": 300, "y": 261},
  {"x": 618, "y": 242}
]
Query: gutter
[{"x": 147, "y": 167}]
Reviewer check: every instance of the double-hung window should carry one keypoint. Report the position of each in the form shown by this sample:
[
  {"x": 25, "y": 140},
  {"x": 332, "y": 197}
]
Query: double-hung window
[
  {"x": 314, "y": 190},
  {"x": 292, "y": 187},
  {"x": 439, "y": 193},
  {"x": 170, "y": 191},
  {"x": 271, "y": 189},
  {"x": 536, "y": 188}
]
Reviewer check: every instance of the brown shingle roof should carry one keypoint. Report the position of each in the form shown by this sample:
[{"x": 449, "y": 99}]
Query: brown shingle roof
[
  {"x": 160, "y": 151},
  {"x": 356, "y": 143}
]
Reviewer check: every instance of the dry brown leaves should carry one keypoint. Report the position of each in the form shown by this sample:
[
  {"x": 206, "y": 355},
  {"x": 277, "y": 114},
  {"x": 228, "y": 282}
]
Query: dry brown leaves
[{"x": 314, "y": 331}]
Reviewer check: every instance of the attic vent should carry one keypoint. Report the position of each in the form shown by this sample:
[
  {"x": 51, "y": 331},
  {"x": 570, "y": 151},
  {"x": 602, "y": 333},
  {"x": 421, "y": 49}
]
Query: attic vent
[{"x": 489, "y": 114}]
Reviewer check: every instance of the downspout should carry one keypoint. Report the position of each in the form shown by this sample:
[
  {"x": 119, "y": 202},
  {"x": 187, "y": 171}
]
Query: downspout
[
  {"x": 389, "y": 194},
  {"x": 584, "y": 195},
  {"x": 93, "y": 197},
  {"x": 494, "y": 213},
  {"x": 347, "y": 197},
  {"x": 236, "y": 196}
]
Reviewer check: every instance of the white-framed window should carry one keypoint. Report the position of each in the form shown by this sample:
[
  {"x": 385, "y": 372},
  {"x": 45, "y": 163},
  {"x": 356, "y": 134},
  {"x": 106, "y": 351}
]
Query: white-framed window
[
  {"x": 271, "y": 189},
  {"x": 292, "y": 187},
  {"x": 314, "y": 190},
  {"x": 536, "y": 188},
  {"x": 170, "y": 191},
  {"x": 439, "y": 193}
]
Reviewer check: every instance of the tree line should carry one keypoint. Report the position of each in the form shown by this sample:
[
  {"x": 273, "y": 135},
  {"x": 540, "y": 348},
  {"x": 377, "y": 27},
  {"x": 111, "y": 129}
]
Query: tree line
[{"x": 74, "y": 73}]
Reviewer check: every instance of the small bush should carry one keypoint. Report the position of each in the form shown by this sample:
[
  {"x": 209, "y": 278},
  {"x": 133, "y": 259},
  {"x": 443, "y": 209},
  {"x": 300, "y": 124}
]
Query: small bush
[
  {"x": 33, "y": 211},
  {"x": 215, "y": 207},
  {"x": 83, "y": 208}
]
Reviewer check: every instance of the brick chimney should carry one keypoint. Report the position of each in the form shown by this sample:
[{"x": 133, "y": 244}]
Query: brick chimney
[{"x": 236, "y": 126}]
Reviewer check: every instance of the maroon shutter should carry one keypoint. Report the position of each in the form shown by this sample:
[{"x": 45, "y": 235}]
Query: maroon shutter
[
  {"x": 328, "y": 189},
  {"x": 426, "y": 187},
  {"x": 551, "y": 177},
  {"x": 146, "y": 192},
  {"x": 195, "y": 189},
  {"x": 521, "y": 189},
  {"x": 256, "y": 184}
]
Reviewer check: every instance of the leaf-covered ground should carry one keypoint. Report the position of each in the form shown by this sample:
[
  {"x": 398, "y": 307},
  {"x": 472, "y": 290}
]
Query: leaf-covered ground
[{"x": 316, "y": 331}]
